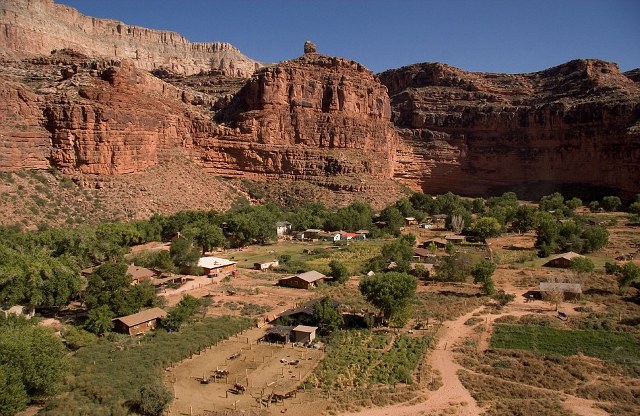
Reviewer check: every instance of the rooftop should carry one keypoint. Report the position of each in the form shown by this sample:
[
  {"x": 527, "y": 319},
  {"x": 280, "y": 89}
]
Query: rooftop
[
  {"x": 142, "y": 317},
  {"x": 565, "y": 287},
  {"x": 310, "y": 276},
  {"x": 306, "y": 329},
  {"x": 214, "y": 262}
]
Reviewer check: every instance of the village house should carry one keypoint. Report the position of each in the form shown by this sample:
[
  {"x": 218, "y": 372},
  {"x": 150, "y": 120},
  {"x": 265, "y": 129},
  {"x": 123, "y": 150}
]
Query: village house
[
  {"x": 410, "y": 221},
  {"x": 329, "y": 236},
  {"x": 299, "y": 236},
  {"x": 216, "y": 266},
  {"x": 439, "y": 218},
  {"x": 139, "y": 274},
  {"x": 348, "y": 236},
  {"x": 569, "y": 290},
  {"x": 139, "y": 323},
  {"x": 438, "y": 242},
  {"x": 266, "y": 265},
  {"x": 306, "y": 280},
  {"x": 312, "y": 233},
  {"x": 424, "y": 255},
  {"x": 283, "y": 228},
  {"x": 562, "y": 260},
  {"x": 455, "y": 239},
  {"x": 362, "y": 234},
  {"x": 303, "y": 333}
]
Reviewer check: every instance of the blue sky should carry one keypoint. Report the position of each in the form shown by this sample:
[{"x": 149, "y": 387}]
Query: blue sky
[{"x": 511, "y": 36}]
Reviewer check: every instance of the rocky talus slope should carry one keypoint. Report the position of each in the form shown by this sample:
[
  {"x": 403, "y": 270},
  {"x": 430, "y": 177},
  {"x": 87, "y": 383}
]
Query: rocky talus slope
[
  {"x": 473, "y": 133},
  {"x": 36, "y": 27}
]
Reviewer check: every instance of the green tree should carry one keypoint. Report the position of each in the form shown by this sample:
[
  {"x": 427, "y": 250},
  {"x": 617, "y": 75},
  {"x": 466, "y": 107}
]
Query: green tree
[
  {"x": 399, "y": 251},
  {"x": 180, "y": 313},
  {"x": 634, "y": 208},
  {"x": 594, "y": 206},
  {"x": 100, "y": 320},
  {"x": 329, "y": 319},
  {"x": 184, "y": 253},
  {"x": 207, "y": 235},
  {"x": 338, "y": 271},
  {"x": 486, "y": 227},
  {"x": 422, "y": 202},
  {"x": 611, "y": 203},
  {"x": 574, "y": 203},
  {"x": 525, "y": 218},
  {"x": 394, "y": 219},
  {"x": 34, "y": 353},
  {"x": 629, "y": 274},
  {"x": 478, "y": 205},
  {"x": 153, "y": 399},
  {"x": 13, "y": 396},
  {"x": 547, "y": 233},
  {"x": 110, "y": 285},
  {"x": 582, "y": 265},
  {"x": 76, "y": 338},
  {"x": 482, "y": 273},
  {"x": 594, "y": 238},
  {"x": 390, "y": 292},
  {"x": 553, "y": 202}
]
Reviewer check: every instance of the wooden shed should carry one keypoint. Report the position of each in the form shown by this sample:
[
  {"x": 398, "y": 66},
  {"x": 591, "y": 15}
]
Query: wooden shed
[
  {"x": 303, "y": 333},
  {"x": 139, "y": 323},
  {"x": 305, "y": 280},
  {"x": 562, "y": 260}
]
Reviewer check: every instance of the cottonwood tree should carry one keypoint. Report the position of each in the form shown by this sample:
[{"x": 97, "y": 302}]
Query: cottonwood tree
[
  {"x": 32, "y": 363},
  {"x": 391, "y": 293},
  {"x": 327, "y": 316},
  {"x": 482, "y": 273},
  {"x": 339, "y": 271}
]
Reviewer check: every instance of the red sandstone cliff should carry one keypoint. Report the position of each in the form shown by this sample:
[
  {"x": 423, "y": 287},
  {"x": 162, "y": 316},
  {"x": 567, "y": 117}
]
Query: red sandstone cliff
[
  {"x": 312, "y": 117},
  {"x": 37, "y": 27},
  {"x": 316, "y": 118},
  {"x": 471, "y": 133}
]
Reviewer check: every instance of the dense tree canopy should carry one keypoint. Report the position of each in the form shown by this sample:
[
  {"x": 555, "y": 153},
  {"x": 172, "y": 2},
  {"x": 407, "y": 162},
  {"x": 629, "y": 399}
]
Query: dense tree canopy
[
  {"x": 32, "y": 363},
  {"x": 392, "y": 292},
  {"x": 328, "y": 318},
  {"x": 110, "y": 285}
]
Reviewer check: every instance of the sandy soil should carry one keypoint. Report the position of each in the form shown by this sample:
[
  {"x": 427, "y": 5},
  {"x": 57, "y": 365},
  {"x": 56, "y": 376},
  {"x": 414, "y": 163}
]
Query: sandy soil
[{"x": 261, "y": 368}]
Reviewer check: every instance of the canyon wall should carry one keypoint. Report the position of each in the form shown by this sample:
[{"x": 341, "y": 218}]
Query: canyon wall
[
  {"x": 317, "y": 118},
  {"x": 88, "y": 109},
  {"x": 313, "y": 117},
  {"x": 478, "y": 133},
  {"x": 37, "y": 27}
]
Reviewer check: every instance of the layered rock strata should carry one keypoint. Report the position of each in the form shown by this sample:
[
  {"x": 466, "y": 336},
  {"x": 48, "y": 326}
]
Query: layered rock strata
[
  {"x": 477, "y": 133},
  {"x": 315, "y": 116},
  {"x": 40, "y": 26}
]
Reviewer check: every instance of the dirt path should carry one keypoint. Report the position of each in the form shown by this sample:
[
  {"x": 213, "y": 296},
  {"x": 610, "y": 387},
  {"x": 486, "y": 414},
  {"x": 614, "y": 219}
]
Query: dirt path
[
  {"x": 452, "y": 395},
  {"x": 452, "y": 398}
]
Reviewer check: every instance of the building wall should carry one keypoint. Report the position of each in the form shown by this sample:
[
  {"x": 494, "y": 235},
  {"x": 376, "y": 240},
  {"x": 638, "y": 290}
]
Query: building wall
[
  {"x": 221, "y": 270},
  {"x": 303, "y": 336},
  {"x": 136, "y": 329},
  {"x": 296, "y": 282}
]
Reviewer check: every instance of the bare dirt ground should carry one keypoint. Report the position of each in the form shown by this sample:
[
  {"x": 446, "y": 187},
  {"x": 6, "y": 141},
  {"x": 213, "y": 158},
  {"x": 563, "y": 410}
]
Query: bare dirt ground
[{"x": 262, "y": 368}]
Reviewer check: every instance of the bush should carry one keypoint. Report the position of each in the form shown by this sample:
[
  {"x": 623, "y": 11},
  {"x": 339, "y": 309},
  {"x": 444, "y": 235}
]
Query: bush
[{"x": 153, "y": 400}]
